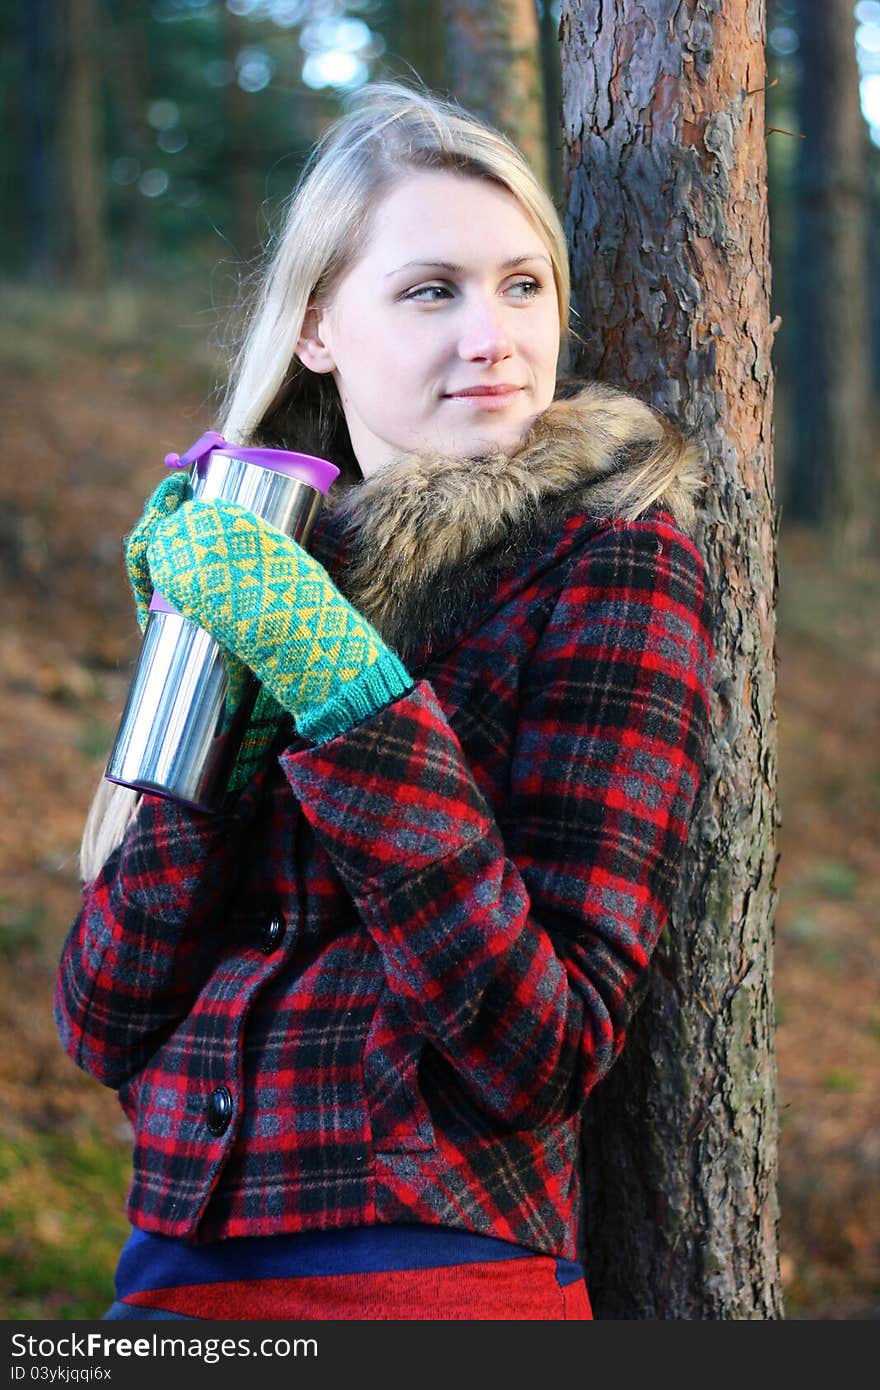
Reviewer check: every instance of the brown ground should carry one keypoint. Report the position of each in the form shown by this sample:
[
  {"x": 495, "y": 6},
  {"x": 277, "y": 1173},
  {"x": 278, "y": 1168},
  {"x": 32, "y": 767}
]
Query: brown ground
[{"x": 93, "y": 397}]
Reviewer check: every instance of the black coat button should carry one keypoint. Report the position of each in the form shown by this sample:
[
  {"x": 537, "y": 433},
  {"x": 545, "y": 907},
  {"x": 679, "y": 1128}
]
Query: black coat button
[
  {"x": 270, "y": 937},
  {"x": 220, "y": 1110}
]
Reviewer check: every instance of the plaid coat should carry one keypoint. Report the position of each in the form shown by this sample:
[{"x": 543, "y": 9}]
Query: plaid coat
[{"x": 380, "y": 986}]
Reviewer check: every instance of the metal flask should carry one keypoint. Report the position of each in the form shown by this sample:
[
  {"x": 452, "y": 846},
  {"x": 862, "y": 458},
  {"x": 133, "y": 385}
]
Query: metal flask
[{"x": 182, "y": 728}]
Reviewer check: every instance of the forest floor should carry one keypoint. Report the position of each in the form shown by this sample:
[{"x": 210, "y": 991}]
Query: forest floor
[{"x": 93, "y": 394}]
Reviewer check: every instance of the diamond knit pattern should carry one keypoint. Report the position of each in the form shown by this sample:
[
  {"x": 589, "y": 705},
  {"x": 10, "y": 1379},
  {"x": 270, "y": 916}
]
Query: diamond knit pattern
[{"x": 268, "y": 602}]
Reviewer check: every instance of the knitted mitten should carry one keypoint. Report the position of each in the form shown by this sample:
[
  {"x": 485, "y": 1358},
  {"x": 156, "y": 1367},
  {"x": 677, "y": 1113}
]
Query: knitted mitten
[
  {"x": 262, "y": 728},
  {"x": 262, "y": 597},
  {"x": 171, "y": 493}
]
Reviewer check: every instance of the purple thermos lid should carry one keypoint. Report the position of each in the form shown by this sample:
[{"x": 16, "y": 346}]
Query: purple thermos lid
[{"x": 317, "y": 473}]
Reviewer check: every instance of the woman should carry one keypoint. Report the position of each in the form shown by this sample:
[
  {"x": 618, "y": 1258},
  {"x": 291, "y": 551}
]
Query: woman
[{"x": 353, "y": 1018}]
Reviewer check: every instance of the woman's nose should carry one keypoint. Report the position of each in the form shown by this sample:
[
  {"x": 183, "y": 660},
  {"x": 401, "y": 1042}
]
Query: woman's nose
[{"x": 483, "y": 336}]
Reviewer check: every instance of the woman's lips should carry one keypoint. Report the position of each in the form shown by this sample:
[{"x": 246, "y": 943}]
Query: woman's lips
[{"x": 486, "y": 397}]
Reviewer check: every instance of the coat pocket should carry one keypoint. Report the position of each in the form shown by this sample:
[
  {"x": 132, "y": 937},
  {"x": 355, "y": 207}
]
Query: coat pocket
[{"x": 399, "y": 1118}]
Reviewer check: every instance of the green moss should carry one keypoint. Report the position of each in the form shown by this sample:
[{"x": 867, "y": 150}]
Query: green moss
[
  {"x": 840, "y": 1079},
  {"x": 95, "y": 739},
  {"x": 803, "y": 927},
  {"x": 20, "y": 927},
  {"x": 836, "y": 879}
]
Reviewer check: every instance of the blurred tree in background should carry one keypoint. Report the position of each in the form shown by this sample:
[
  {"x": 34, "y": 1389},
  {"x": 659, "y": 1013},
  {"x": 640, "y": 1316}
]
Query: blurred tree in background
[
  {"x": 831, "y": 480},
  {"x": 495, "y": 57},
  {"x": 82, "y": 243},
  {"x": 193, "y": 115},
  {"x": 824, "y": 186}
]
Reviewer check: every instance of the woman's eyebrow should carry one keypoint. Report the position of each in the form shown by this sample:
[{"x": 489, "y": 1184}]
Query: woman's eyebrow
[{"x": 458, "y": 269}]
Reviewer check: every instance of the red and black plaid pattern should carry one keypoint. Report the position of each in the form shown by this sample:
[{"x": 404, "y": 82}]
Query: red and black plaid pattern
[{"x": 409, "y": 953}]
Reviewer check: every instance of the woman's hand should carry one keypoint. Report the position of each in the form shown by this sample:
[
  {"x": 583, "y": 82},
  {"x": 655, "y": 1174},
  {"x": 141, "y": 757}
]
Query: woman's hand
[
  {"x": 171, "y": 493},
  {"x": 165, "y": 502},
  {"x": 264, "y": 599}
]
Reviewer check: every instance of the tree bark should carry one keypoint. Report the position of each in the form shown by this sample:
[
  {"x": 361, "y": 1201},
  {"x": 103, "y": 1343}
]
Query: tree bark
[
  {"x": 666, "y": 204},
  {"x": 494, "y": 62},
  {"x": 81, "y": 145},
  {"x": 831, "y": 483}
]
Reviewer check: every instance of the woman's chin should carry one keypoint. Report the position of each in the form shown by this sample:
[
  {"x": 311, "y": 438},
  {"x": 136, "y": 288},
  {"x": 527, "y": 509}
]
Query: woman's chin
[{"x": 498, "y": 437}]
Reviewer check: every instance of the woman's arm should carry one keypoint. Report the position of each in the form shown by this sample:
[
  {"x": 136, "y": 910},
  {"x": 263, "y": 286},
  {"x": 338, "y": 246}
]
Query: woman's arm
[
  {"x": 516, "y": 954},
  {"x": 147, "y": 935}
]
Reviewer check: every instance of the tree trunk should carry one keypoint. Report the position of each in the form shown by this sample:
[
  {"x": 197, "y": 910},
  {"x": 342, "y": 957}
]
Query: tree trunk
[
  {"x": 552, "y": 78},
  {"x": 665, "y": 172},
  {"x": 81, "y": 145},
  {"x": 494, "y": 61},
  {"x": 831, "y": 482}
]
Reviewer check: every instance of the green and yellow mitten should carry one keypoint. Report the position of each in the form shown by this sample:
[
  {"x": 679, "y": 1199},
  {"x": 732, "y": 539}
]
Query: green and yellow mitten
[
  {"x": 267, "y": 601},
  {"x": 171, "y": 493},
  {"x": 266, "y": 716}
]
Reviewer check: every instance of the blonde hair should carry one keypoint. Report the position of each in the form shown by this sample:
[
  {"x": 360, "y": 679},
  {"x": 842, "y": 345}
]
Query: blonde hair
[{"x": 390, "y": 130}]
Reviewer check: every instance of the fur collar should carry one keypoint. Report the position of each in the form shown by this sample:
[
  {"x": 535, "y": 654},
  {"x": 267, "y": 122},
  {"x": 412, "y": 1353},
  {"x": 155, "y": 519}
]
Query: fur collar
[{"x": 427, "y": 535}]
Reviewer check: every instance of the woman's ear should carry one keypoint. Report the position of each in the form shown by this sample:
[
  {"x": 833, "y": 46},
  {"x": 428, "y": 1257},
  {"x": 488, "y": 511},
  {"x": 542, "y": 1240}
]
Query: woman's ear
[{"x": 311, "y": 349}]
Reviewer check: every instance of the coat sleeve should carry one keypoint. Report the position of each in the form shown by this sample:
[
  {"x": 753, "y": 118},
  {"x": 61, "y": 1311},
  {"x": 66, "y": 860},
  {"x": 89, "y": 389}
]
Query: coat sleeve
[
  {"x": 141, "y": 947},
  {"x": 515, "y": 951}
]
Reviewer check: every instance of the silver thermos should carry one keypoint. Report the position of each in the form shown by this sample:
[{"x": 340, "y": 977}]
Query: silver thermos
[{"x": 182, "y": 727}]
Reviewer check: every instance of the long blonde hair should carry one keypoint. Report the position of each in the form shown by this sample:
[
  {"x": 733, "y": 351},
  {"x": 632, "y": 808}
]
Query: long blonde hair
[{"x": 390, "y": 130}]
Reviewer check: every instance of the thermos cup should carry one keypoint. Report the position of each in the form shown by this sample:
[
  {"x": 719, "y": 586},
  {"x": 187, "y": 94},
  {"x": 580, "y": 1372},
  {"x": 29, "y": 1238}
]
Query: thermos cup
[{"x": 182, "y": 727}]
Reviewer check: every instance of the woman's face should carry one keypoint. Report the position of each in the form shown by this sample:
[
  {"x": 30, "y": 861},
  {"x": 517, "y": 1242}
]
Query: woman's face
[{"x": 444, "y": 333}]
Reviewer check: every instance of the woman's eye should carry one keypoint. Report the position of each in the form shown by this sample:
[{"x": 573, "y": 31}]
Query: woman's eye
[
  {"x": 526, "y": 289},
  {"x": 428, "y": 294}
]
